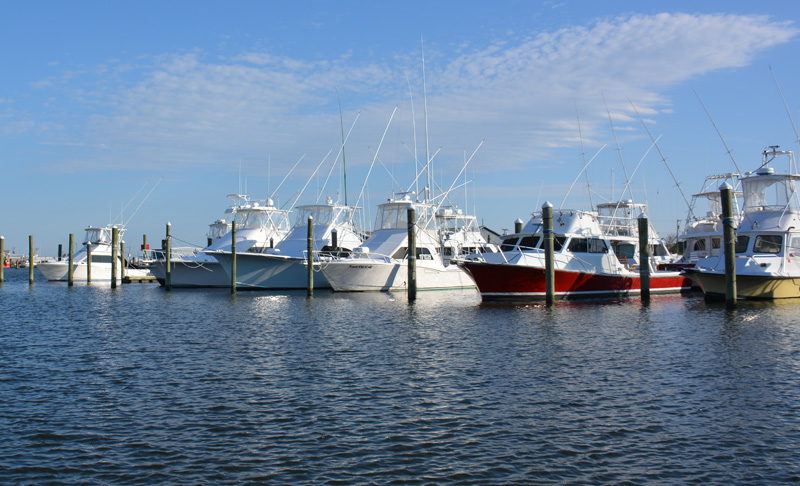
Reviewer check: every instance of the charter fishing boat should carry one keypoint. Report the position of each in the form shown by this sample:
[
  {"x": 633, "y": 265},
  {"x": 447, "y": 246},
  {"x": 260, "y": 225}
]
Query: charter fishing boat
[
  {"x": 259, "y": 226},
  {"x": 381, "y": 262},
  {"x": 596, "y": 254},
  {"x": 702, "y": 231},
  {"x": 284, "y": 266},
  {"x": 99, "y": 238},
  {"x": 767, "y": 239}
]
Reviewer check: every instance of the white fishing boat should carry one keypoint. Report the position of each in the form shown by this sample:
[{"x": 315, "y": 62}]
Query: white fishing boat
[
  {"x": 767, "y": 239},
  {"x": 596, "y": 253},
  {"x": 381, "y": 262},
  {"x": 99, "y": 238},
  {"x": 284, "y": 266},
  {"x": 259, "y": 226},
  {"x": 702, "y": 231}
]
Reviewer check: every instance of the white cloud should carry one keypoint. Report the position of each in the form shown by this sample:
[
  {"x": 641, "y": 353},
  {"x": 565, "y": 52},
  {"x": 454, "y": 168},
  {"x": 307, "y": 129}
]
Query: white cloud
[{"x": 519, "y": 94}]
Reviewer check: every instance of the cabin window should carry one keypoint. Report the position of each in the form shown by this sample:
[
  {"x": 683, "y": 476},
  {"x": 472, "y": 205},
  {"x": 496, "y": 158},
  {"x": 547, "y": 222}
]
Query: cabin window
[
  {"x": 101, "y": 258},
  {"x": 578, "y": 245},
  {"x": 715, "y": 243},
  {"x": 658, "y": 250},
  {"x": 401, "y": 253},
  {"x": 768, "y": 244},
  {"x": 558, "y": 242},
  {"x": 624, "y": 251},
  {"x": 509, "y": 244},
  {"x": 700, "y": 245},
  {"x": 596, "y": 245},
  {"x": 742, "y": 241},
  {"x": 424, "y": 254},
  {"x": 528, "y": 242}
]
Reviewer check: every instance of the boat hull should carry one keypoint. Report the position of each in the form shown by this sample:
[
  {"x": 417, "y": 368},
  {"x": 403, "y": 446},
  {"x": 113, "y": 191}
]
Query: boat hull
[
  {"x": 57, "y": 271},
  {"x": 188, "y": 274},
  {"x": 754, "y": 287},
  {"x": 258, "y": 271},
  {"x": 522, "y": 282},
  {"x": 375, "y": 276}
]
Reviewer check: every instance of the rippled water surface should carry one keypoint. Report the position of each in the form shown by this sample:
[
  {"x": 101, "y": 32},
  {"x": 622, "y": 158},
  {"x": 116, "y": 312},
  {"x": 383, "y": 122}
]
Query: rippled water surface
[{"x": 138, "y": 385}]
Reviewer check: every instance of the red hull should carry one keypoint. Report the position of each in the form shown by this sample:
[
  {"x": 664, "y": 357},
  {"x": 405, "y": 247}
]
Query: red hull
[{"x": 503, "y": 281}]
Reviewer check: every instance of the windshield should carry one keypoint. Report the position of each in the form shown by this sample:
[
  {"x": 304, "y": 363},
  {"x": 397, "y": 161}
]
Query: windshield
[{"x": 770, "y": 192}]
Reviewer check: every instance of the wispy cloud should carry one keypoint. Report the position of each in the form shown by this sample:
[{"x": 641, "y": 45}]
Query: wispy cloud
[{"x": 520, "y": 94}]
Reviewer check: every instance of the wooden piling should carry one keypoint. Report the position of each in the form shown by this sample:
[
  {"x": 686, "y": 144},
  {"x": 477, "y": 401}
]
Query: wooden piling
[
  {"x": 114, "y": 250},
  {"x": 549, "y": 257},
  {"x": 310, "y": 256},
  {"x": 71, "y": 261},
  {"x": 644, "y": 257},
  {"x": 335, "y": 240},
  {"x": 123, "y": 264},
  {"x": 2, "y": 259},
  {"x": 30, "y": 260},
  {"x": 168, "y": 259},
  {"x": 233, "y": 257},
  {"x": 729, "y": 238},
  {"x": 88, "y": 262},
  {"x": 518, "y": 225},
  {"x": 60, "y": 253},
  {"x": 412, "y": 254}
]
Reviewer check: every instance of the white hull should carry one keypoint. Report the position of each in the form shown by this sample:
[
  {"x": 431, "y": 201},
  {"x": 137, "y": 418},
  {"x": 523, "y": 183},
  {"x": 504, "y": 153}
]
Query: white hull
[
  {"x": 57, "y": 271},
  {"x": 188, "y": 274},
  {"x": 269, "y": 272},
  {"x": 363, "y": 275}
]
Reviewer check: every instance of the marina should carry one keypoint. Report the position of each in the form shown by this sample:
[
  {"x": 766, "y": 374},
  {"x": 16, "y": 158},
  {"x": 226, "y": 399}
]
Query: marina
[{"x": 473, "y": 243}]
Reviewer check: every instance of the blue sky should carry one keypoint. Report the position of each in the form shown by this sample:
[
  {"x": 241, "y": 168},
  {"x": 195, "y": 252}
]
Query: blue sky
[{"x": 101, "y": 100}]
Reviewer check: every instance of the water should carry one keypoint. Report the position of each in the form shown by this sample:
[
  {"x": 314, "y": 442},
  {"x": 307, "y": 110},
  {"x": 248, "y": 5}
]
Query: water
[{"x": 142, "y": 386}]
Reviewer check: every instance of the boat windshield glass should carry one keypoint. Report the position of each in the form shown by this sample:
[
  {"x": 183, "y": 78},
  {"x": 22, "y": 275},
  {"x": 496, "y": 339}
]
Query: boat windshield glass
[
  {"x": 767, "y": 244},
  {"x": 322, "y": 214},
  {"x": 218, "y": 229},
  {"x": 98, "y": 235},
  {"x": 770, "y": 192},
  {"x": 742, "y": 241},
  {"x": 259, "y": 219},
  {"x": 392, "y": 217}
]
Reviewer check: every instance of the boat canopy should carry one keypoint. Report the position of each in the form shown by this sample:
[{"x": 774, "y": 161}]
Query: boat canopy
[
  {"x": 101, "y": 235},
  {"x": 394, "y": 214},
  {"x": 324, "y": 214},
  {"x": 766, "y": 191}
]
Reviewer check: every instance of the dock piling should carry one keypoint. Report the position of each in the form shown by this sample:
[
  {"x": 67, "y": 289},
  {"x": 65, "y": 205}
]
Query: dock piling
[
  {"x": 60, "y": 252},
  {"x": 310, "y": 255},
  {"x": 549, "y": 257},
  {"x": 122, "y": 262},
  {"x": 729, "y": 238},
  {"x": 168, "y": 259},
  {"x": 644, "y": 257},
  {"x": 233, "y": 257},
  {"x": 88, "y": 262},
  {"x": 2, "y": 258},
  {"x": 71, "y": 262},
  {"x": 412, "y": 255},
  {"x": 114, "y": 255},
  {"x": 30, "y": 260},
  {"x": 518, "y": 225}
]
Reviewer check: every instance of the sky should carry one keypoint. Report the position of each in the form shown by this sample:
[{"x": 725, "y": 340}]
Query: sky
[{"x": 148, "y": 112}]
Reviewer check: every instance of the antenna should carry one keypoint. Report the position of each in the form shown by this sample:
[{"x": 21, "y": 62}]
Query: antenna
[
  {"x": 619, "y": 147},
  {"x": 579, "y": 174},
  {"x": 341, "y": 151},
  {"x": 663, "y": 159},
  {"x": 414, "y": 129},
  {"x": 427, "y": 141},
  {"x": 788, "y": 113},
  {"x": 311, "y": 177},
  {"x": 719, "y": 134},
  {"x": 583, "y": 154},
  {"x": 344, "y": 159},
  {"x": 271, "y": 196},
  {"x": 377, "y": 151}
]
